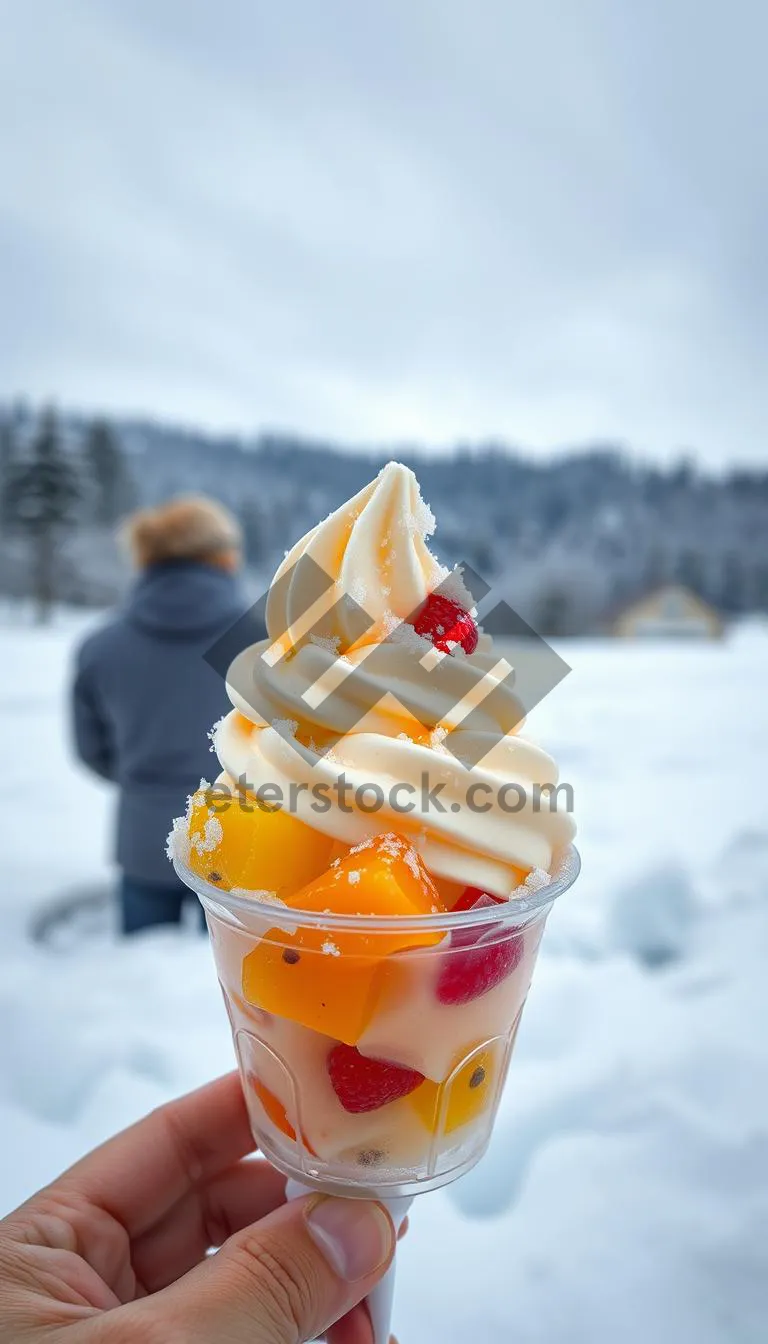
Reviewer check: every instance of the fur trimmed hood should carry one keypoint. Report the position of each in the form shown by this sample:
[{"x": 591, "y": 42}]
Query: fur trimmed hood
[{"x": 189, "y": 528}]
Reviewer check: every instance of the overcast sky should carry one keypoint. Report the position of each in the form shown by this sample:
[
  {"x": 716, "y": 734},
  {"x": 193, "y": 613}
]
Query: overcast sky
[{"x": 417, "y": 219}]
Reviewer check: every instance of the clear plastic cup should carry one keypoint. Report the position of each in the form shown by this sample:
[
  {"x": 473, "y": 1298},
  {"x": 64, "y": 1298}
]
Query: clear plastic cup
[{"x": 433, "y": 1003}]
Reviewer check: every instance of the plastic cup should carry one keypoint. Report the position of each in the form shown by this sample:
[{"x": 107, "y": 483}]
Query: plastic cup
[{"x": 436, "y": 1017}]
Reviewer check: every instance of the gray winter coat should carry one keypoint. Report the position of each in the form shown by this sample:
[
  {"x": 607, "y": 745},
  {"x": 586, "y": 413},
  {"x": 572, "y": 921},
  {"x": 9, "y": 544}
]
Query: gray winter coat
[{"x": 144, "y": 699}]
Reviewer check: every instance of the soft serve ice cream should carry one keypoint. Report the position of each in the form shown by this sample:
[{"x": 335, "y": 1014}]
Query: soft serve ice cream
[
  {"x": 375, "y": 941},
  {"x": 374, "y": 548}
]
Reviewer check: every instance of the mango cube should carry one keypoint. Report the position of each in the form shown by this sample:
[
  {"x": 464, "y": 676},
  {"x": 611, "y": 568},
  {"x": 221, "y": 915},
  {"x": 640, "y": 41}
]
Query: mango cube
[
  {"x": 331, "y": 980},
  {"x": 466, "y": 1094},
  {"x": 237, "y": 843}
]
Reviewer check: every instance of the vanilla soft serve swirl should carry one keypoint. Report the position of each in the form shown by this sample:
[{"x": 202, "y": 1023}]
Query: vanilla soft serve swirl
[{"x": 374, "y": 551}]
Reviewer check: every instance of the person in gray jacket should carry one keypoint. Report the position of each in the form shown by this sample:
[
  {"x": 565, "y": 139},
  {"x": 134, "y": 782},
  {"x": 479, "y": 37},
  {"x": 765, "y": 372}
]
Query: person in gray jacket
[{"x": 144, "y": 697}]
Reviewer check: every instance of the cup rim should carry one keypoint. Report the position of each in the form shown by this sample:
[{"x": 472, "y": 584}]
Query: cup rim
[{"x": 291, "y": 917}]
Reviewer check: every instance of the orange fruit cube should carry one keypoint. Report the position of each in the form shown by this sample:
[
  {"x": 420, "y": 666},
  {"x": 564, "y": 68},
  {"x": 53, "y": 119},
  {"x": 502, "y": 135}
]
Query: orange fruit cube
[
  {"x": 237, "y": 843},
  {"x": 330, "y": 980}
]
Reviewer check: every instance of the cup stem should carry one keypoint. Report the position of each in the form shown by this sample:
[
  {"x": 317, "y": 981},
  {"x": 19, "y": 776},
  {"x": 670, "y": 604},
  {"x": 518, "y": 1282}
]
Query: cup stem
[{"x": 381, "y": 1300}]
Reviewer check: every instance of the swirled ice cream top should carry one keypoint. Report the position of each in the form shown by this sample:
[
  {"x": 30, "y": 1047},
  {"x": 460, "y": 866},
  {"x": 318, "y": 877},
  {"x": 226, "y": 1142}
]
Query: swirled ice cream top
[
  {"x": 374, "y": 549},
  {"x": 337, "y": 690}
]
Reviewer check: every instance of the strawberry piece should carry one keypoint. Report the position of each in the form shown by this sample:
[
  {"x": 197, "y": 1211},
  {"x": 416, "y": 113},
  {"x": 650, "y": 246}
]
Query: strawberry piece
[
  {"x": 363, "y": 1084},
  {"x": 480, "y": 957},
  {"x": 445, "y": 624},
  {"x": 473, "y": 896}
]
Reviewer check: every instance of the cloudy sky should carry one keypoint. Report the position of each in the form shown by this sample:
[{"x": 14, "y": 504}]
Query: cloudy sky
[{"x": 422, "y": 219}]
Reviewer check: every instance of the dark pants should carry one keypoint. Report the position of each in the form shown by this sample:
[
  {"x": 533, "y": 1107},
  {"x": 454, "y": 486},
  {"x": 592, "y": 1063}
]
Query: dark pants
[{"x": 145, "y": 905}]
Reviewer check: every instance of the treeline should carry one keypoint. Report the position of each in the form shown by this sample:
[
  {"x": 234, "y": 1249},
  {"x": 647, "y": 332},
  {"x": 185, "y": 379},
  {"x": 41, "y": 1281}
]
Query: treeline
[
  {"x": 567, "y": 542},
  {"x": 56, "y": 483}
]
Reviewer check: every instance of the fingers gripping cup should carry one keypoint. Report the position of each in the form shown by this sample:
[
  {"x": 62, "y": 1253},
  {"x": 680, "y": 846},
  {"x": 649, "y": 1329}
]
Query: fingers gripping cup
[{"x": 373, "y": 1045}]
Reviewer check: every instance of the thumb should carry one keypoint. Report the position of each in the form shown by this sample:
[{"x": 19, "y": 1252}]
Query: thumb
[{"x": 283, "y": 1280}]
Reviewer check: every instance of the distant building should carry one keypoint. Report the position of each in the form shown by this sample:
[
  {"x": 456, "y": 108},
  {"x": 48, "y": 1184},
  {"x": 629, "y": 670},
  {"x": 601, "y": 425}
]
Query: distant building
[{"x": 669, "y": 612}]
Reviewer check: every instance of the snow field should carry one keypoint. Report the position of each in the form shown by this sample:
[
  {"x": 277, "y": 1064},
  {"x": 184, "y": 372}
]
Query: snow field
[{"x": 625, "y": 1192}]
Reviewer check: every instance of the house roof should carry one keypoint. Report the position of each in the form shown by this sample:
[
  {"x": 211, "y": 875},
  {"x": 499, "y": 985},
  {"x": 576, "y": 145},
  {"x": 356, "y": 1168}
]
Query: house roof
[{"x": 661, "y": 591}]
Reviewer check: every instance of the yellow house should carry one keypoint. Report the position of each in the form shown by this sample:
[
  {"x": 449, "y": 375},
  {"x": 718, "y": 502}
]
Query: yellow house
[{"x": 671, "y": 611}]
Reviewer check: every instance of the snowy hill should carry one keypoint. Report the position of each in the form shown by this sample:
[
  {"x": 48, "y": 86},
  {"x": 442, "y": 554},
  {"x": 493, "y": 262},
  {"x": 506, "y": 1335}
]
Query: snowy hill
[{"x": 625, "y": 1194}]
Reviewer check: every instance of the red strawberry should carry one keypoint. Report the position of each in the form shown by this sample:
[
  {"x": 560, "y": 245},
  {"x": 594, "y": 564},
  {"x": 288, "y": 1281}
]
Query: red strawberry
[
  {"x": 473, "y": 896},
  {"x": 486, "y": 954},
  {"x": 363, "y": 1084},
  {"x": 446, "y": 624}
]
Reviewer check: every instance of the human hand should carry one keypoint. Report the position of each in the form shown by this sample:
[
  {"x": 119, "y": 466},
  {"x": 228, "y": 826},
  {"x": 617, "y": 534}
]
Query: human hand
[{"x": 115, "y": 1250}]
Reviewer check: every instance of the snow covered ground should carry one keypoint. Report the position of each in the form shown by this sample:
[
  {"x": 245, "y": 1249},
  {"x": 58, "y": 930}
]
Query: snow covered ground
[{"x": 625, "y": 1195}]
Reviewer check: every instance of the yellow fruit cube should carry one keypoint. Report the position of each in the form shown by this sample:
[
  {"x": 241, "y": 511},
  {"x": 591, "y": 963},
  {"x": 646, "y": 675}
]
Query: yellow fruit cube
[
  {"x": 237, "y": 843},
  {"x": 464, "y": 1096}
]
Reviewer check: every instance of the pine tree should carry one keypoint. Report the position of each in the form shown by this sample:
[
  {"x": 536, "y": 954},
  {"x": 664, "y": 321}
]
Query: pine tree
[
  {"x": 105, "y": 464},
  {"x": 42, "y": 497}
]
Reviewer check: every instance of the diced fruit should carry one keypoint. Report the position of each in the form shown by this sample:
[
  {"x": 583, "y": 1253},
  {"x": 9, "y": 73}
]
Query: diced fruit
[
  {"x": 330, "y": 981},
  {"x": 464, "y": 1097},
  {"x": 450, "y": 892},
  {"x": 339, "y": 850},
  {"x": 293, "y": 1062},
  {"x": 363, "y": 1084},
  {"x": 273, "y": 1107},
  {"x": 275, "y": 1111},
  {"x": 468, "y": 1093},
  {"x": 473, "y": 896},
  {"x": 381, "y": 876},
  {"x": 445, "y": 624},
  {"x": 239, "y": 844},
  {"x": 479, "y": 958}
]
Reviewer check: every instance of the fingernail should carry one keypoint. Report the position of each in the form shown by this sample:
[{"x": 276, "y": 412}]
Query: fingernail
[{"x": 355, "y": 1236}]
